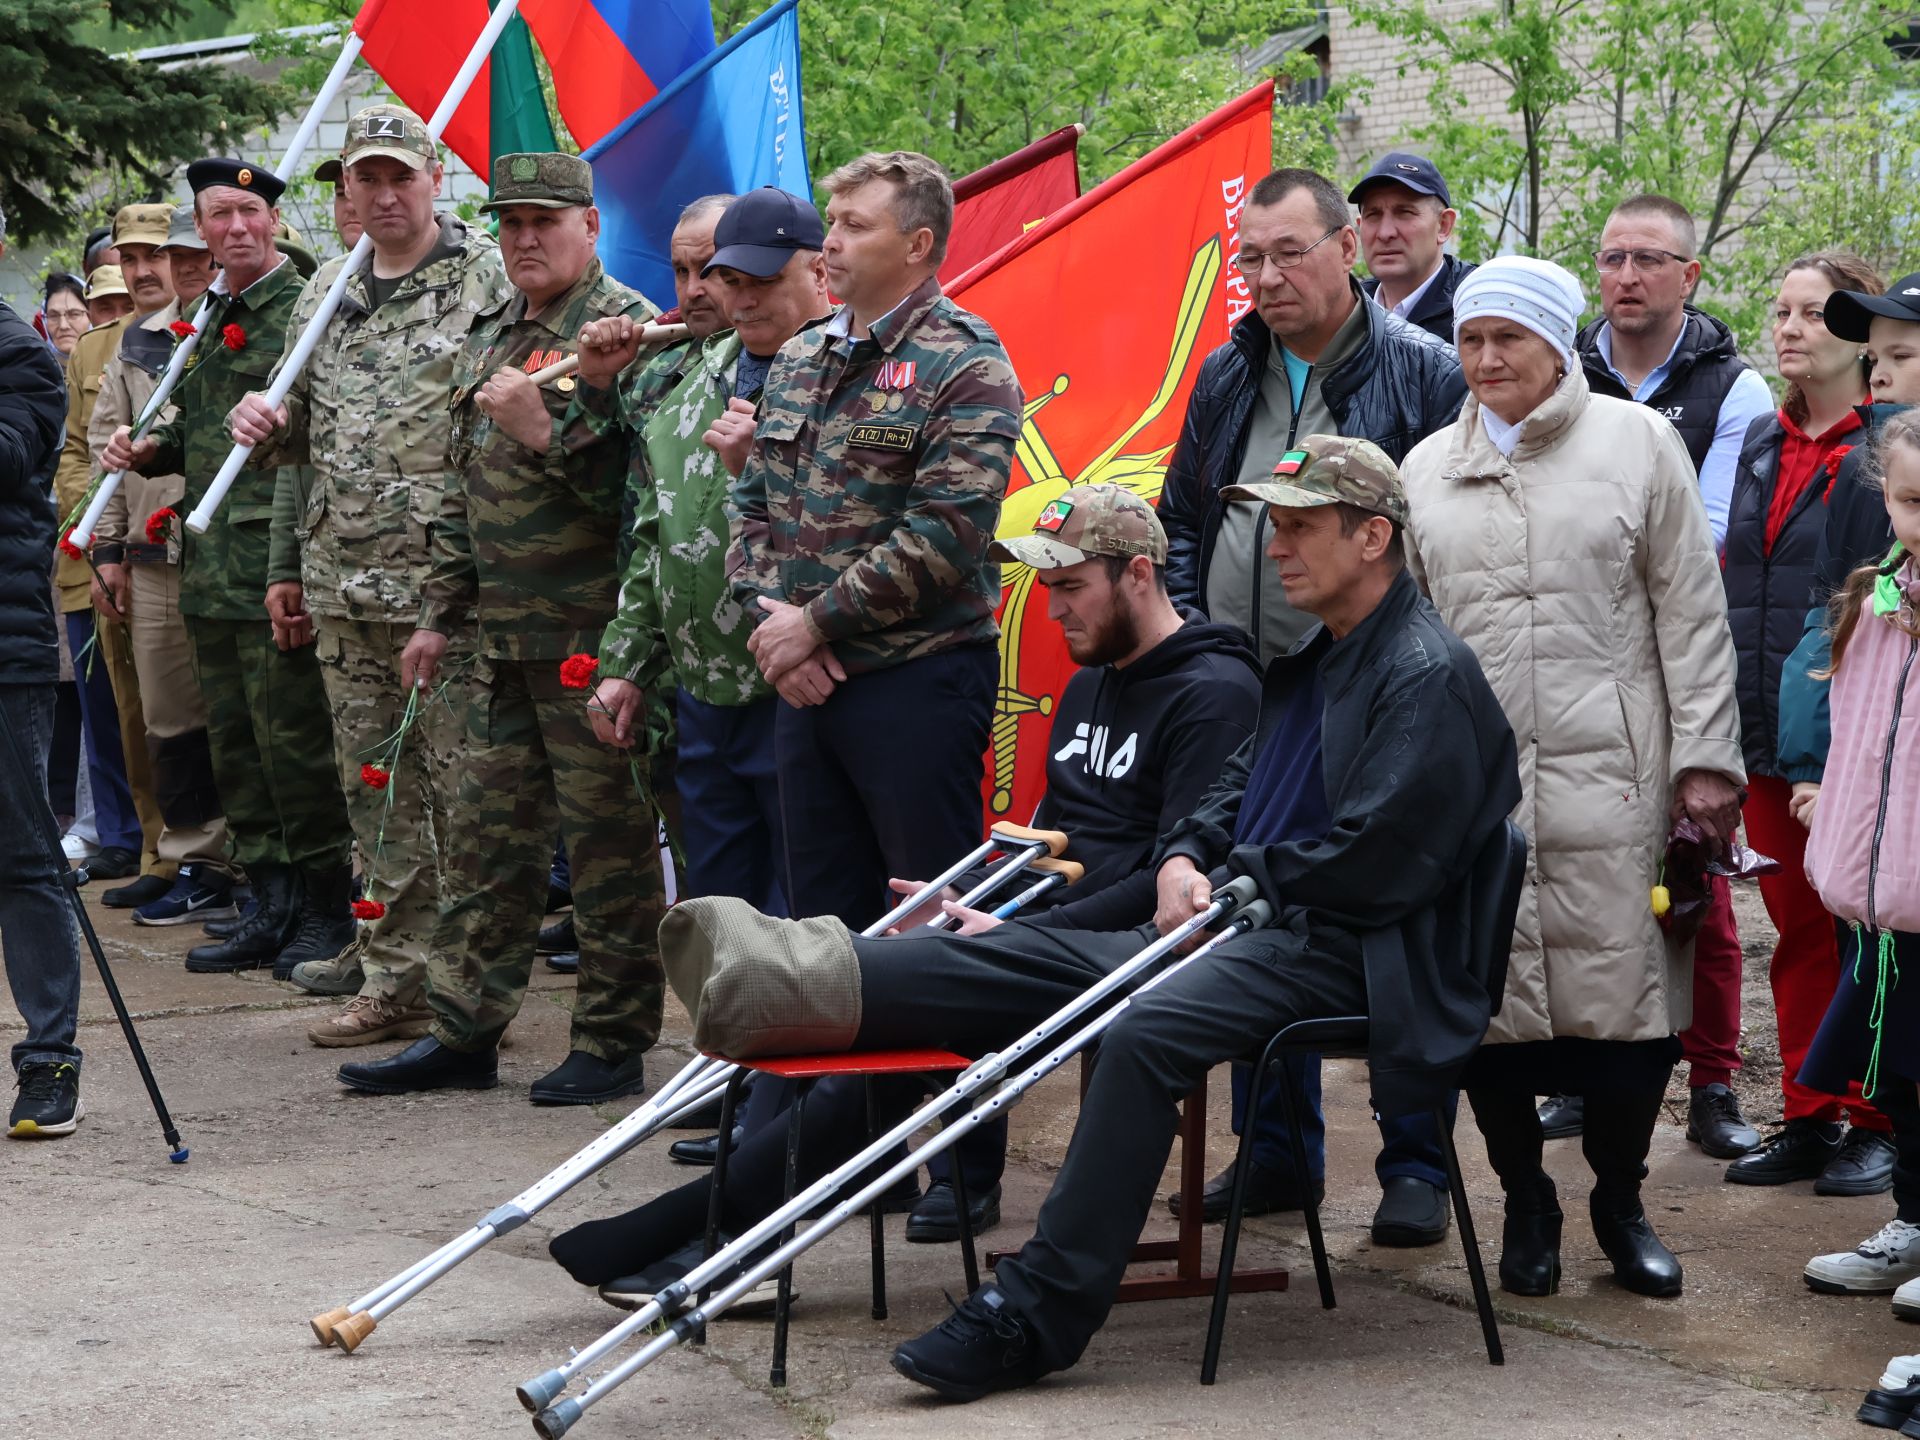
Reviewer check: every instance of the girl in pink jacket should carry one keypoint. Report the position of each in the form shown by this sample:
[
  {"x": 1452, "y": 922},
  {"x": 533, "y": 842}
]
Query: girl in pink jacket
[{"x": 1863, "y": 857}]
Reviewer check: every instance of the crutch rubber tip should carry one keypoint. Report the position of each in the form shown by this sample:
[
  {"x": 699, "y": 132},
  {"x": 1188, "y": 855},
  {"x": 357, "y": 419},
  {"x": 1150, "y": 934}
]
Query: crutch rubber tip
[
  {"x": 179, "y": 1157},
  {"x": 539, "y": 1393},
  {"x": 323, "y": 1325},
  {"x": 348, "y": 1333},
  {"x": 555, "y": 1421}
]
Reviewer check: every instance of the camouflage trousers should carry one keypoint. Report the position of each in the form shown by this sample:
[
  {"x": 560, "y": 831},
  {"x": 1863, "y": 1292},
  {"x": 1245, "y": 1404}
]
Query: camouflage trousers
[
  {"x": 532, "y": 764},
  {"x": 402, "y": 830},
  {"x": 272, "y": 746}
]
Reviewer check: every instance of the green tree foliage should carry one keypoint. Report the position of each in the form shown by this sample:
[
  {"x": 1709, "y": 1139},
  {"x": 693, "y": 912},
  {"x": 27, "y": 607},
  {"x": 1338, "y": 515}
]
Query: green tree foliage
[
  {"x": 82, "y": 129},
  {"x": 1780, "y": 123}
]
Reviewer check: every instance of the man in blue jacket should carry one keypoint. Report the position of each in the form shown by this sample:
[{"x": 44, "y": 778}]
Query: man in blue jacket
[{"x": 42, "y": 947}]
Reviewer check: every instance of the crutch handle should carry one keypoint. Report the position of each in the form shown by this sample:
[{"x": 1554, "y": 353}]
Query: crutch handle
[
  {"x": 1054, "y": 840},
  {"x": 1070, "y": 870},
  {"x": 1237, "y": 894}
]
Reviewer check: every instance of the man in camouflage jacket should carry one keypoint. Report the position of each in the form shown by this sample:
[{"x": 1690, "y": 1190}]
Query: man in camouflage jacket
[
  {"x": 772, "y": 281},
  {"x": 267, "y": 719},
  {"x": 524, "y": 543},
  {"x": 350, "y": 554},
  {"x": 878, "y": 462}
]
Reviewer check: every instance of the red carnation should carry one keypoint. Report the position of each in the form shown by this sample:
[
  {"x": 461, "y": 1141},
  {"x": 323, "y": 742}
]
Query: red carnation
[
  {"x": 74, "y": 552},
  {"x": 1833, "y": 470},
  {"x": 374, "y": 778},
  {"x": 181, "y": 328},
  {"x": 234, "y": 338},
  {"x": 160, "y": 524},
  {"x": 368, "y": 909},
  {"x": 577, "y": 671}
]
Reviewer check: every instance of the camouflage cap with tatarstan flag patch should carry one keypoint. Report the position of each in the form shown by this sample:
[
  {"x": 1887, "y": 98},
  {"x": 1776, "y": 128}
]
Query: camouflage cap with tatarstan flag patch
[
  {"x": 1331, "y": 470},
  {"x": 551, "y": 179},
  {"x": 390, "y": 130},
  {"x": 1086, "y": 521}
]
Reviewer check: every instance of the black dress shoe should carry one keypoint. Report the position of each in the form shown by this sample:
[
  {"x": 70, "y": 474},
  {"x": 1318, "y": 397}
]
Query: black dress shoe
[
  {"x": 1530, "y": 1243},
  {"x": 567, "y": 964},
  {"x": 557, "y": 938},
  {"x": 1863, "y": 1166},
  {"x": 707, "y": 1117},
  {"x": 1271, "y": 1190},
  {"x": 583, "y": 1079},
  {"x": 424, "y": 1065},
  {"x": 1800, "y": 1151},
  {"x": 1562, "y": 1116},
  {"x": 984, "y": 1346},
  {"x": 935, "y": 1220},
  {"x": 703, "y": 1151},
  {"x": 1411, "y": 1213},
  {"x": 1715, "y": 1124},
  {"x": 1890, "y": 1409},
  {"x": 1641, "y": 1263},
  {"x": 143, "y": 891},
  {"x": 114, "y": 863}
]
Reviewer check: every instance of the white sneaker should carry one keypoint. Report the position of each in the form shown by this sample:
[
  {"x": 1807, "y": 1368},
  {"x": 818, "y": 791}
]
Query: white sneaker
[
  {"x": 78, "y": 847},
  {"x": 1906, "y": 1304},
  {"x": 1901, "y": 1370},
  {"x": 1877, "y": 1265}
]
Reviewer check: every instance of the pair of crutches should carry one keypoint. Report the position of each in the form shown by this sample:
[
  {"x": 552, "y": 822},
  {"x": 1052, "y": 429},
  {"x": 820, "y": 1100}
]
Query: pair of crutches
[
  {"x": 745, "y": 1263},
  {"x": 700, "y": 1082}
]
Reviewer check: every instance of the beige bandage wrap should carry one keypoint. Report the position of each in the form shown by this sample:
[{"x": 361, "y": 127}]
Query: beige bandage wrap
[{"x": 760, "y": 986}]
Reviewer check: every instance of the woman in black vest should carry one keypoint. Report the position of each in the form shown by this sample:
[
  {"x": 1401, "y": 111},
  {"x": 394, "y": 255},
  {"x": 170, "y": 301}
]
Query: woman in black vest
[{"x": 1787, "y": 470}]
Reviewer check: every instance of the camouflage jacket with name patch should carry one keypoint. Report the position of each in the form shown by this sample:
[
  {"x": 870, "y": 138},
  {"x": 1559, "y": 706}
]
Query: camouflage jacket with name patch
[
  {"x": 874, "y": 484},
  {"x": 223, "y": 573},
  {"x": 370, "y": 413},
  {"x": 525, "y": 539}
]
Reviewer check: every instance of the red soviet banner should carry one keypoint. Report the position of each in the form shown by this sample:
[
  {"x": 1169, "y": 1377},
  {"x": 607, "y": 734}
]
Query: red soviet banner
[
  {"x": 1107, "y": 310},
  {"x": 999, "y": 203}
]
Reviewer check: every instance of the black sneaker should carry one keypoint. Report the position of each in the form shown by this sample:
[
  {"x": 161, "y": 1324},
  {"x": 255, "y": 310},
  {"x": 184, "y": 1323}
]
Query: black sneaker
[
  {"x": 1800, "y": 1151},
  {"x": 583, "y": 1079},
  {"x": 1271, "y": 1190},
  {"x": 1862, "y": 1166},
  {"x": 630, "y": 1292},
  {"x": 1562, "y": 1116},
  {"x": 984, "y": 1346},
  {"x": 1715, "y": 1124},
  {"x": 190, "y": 898},
  {"x": 116, "y": 862},
  {"x": 49, "y": 1101},
  {"x": 935, "y": 1220},
  {"x": 144, "y": 891},
  {"x": 1890, "y": 1409}
]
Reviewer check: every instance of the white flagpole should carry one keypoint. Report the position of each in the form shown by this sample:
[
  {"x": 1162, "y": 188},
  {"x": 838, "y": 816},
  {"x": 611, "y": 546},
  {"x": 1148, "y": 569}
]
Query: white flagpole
[
  {"x": 296, "y": 360},
  {"x": 177, "y": 364}
]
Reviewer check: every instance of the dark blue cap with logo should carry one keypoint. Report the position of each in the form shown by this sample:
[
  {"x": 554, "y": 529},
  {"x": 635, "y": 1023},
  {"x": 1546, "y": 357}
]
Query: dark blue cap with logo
[
  {"x": 760, "y": 232},
  {"x": 1416, "y": 172}
]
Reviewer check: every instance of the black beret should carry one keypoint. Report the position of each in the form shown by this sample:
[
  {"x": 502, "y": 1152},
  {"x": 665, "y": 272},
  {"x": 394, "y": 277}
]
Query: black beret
[{"x": 238, "y": 175}]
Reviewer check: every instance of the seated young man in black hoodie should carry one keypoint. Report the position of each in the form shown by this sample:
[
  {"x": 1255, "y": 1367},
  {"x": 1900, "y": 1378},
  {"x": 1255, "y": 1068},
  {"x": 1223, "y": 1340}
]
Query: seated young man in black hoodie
[
  {"x": 1381, "y": 767},
  {"x": 1162, "y": 700}
]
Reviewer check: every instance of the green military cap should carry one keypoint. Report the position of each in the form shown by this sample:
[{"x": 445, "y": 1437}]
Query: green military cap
[
  {"x": 390, "y": 130},
  {"x": 141, "y": 224},
  {"x": 182, "y": 234},
  {"x": 1331, "y": 470},
  {"x": 546, "y": 178},
  {"x": 105, "y": 280},
  {"x": 1086, "y": 521}
]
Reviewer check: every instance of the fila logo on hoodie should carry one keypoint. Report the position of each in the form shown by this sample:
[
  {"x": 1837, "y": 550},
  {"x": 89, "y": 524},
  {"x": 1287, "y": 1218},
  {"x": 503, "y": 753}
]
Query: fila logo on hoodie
[{"x": 1110, "y": 766}]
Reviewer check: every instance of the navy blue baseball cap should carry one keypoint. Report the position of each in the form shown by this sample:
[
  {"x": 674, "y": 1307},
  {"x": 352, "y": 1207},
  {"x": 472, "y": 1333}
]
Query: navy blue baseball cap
[
  {"x": 1849, "y": 313},
  {"x": 761, "y": 231},
  {"x": 1416, "y": 172}
]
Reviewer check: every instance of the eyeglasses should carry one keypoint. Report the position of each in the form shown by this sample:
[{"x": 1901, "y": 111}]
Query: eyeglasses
[
  {"x": 1251, "y": 262},
  {"x": 1647, "y": 262}
]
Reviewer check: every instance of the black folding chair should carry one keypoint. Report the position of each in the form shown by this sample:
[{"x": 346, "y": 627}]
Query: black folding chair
[{"x": 1493, "y": 901}]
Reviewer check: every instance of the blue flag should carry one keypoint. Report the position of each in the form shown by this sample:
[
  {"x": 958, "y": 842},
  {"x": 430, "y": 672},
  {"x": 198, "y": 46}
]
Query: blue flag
[{"x": 729, "y": 124}]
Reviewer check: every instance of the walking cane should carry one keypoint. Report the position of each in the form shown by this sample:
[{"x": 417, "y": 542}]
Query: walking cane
[
  {"x": 736, "y": 1269},
  {"x": 296, "y": 359},
  {"x": 82, "y": 533},
  {"x": 64, "y": 877},
  {"x": 698, "y": 1082}
]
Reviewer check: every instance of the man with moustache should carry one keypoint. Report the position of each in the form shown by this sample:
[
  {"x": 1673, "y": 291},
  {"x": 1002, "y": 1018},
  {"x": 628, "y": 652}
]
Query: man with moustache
[
  {"x": 163, "y": 719},
  {"x": 266, "y": 708}
]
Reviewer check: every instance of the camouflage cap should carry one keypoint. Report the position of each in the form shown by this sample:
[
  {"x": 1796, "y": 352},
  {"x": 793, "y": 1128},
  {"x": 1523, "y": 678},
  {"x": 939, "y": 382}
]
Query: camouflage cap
[
  {"x": 548, "y": 178},
  {"x": 390, "y": 130},
  {"x": 105, "y": 280},
  {"x": 181, "y": 231},
  {"x": 141, "y": 224},
  {"x": 1087, "y": 520},
  {"x": 1331, "y": 470}
]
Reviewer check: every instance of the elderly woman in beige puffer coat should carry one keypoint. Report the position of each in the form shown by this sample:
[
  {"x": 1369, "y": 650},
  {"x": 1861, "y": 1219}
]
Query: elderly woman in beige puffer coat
[{"x": 1562, "y": 536}]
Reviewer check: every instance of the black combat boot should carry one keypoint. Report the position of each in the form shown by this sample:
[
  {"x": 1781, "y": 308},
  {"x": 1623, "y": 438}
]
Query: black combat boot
[
  {"x": 324, "y": 926},
  {"x": 276, "y": 889}
]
